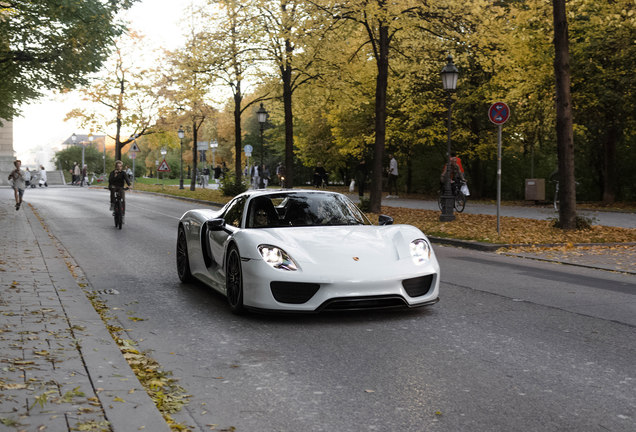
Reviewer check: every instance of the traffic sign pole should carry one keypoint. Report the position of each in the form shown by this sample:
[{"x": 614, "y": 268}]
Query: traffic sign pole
[
  {"x": 498, "y": 179},
  {"x": 498, "y": 114}
]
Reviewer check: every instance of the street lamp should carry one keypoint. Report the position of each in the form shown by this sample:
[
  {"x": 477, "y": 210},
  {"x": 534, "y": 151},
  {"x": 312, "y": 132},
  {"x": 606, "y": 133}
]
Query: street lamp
[
  {"x": 90, "y": 140},
  {"x": 181, "y": 135},
  {"x": 73, "y": 139},
  {"x": 213, "y": 145},
  {"x": 262, "y": 118},
  {"x": 449, "y": 82}
]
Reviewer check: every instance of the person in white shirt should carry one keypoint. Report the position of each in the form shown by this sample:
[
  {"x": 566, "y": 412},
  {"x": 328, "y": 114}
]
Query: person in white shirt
[
  {"x": 43, "y": 180},
  {"x": 393, "y": 175}
]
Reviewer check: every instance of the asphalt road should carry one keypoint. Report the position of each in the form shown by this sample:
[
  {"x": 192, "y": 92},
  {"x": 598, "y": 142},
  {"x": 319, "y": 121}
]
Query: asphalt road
[{"x": 513, "y": 345}]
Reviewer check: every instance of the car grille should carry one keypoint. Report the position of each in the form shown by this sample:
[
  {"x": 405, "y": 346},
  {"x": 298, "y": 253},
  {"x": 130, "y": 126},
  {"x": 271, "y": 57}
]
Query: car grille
[
  {"x": 355, "y": 303},
  {"x": 293, "y": 292},
  {"x": 418, "y": 286}
]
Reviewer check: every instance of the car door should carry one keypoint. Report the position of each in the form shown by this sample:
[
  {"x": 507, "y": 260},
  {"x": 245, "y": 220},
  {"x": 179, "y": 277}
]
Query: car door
[{"x": 233, "y": 217}]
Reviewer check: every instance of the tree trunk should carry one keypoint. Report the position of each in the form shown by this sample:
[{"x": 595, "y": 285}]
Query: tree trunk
[
  {"x": 195, "y": 134},
  {"x": 120, "y": 106},
  {"x": 238, "y": 97},
  {"x": 289, "y": 117},
  {"x": 375, "y": 198},
  {"x": 565, "y": 140},
  {"x": 118, "y": 139}
]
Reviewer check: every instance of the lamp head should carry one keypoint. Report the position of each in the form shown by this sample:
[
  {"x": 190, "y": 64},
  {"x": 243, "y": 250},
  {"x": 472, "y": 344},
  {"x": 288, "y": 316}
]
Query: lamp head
[
  {"x": 449, "y": 75},
  {"x": 262, "y": 114}
]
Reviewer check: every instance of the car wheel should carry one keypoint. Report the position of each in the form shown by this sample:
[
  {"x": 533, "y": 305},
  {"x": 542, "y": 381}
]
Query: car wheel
[
  {"x": 234, "y": 281},
  {"x": 183, "y": 263}
]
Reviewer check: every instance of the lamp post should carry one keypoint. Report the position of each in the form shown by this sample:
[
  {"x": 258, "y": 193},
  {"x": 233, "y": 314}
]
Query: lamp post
[
  {"x": 449, "y": 82},
  {"x": 73, "y": 140},
  {"x": 104, "y": 158},
  {"x": 181, "y": 135},
  {"x": 262, "y": 118},
  {"x": 90, "y": 142},
  {"x": 213, "y": 145},
  {"x": 163, "y": 155}
]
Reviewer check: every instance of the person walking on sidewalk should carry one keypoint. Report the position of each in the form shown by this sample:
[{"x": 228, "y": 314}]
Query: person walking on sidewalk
[
  {"x": 16, "y": 179},
  {"x": 27, "y": 178},
  {"x": 43, "y": 180},
  {"x": 76, "y": 174},
  {"x": 393, "y": 175},
  {"x": 361, "y": 175}
]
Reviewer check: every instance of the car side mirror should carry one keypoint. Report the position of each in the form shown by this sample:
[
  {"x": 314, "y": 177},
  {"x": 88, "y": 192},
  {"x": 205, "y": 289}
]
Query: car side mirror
[
  {"x": 385, "y": 220},
  {"x": 216, "y": 224}
]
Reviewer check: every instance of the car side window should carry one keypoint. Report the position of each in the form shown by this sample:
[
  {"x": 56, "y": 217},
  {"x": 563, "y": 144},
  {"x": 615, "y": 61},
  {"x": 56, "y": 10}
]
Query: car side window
[{"x": 234, "y": 213}]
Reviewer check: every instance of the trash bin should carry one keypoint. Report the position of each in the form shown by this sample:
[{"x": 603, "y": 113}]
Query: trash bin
[{"x": 535, "y": 189}]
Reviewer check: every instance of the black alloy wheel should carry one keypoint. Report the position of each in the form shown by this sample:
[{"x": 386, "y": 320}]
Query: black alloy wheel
[
  {"x": 234, "y": 281},
  {"x": 183, "y": 262}
]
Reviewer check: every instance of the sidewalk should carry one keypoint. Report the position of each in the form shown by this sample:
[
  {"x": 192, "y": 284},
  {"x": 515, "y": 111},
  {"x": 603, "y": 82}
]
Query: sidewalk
[{"x": 60, "y": 370}]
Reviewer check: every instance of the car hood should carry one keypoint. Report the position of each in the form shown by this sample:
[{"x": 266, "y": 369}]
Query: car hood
[{"x": 339, "y": 245}]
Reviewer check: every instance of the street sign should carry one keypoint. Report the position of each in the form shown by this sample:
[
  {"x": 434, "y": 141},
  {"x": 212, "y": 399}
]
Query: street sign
[
  {"x": 202, "y": 145},
  {"x": 134, "y": 148},
  {"x": 499, "y": 113},
  {"x": 164, "y": 167},
  {"x": 133, "y": 154},
  {"x": 248, "y": 149}
]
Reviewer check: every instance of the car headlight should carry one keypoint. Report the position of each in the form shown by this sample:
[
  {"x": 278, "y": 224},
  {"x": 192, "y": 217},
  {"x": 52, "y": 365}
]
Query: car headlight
[
  {"x": 277, "y": 258},
  {"x": 420, "y": 251}
]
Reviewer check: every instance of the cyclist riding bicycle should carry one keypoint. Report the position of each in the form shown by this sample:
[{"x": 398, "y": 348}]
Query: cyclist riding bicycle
[
  {"x": 117, "y": 180},
  {"x": 456, "y": 176}
]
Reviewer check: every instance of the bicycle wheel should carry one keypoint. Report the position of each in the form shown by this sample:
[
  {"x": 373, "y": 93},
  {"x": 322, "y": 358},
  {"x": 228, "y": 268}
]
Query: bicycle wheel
[
  {"x": 460, "y": 202},
  {"x": 118, "y": 214}
]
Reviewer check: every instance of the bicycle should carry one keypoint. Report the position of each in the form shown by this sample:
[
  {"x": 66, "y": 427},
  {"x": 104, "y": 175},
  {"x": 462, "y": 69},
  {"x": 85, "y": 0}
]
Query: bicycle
[
  {"x": 458, "y": 197},
  {"x": 119, "y": 207}
]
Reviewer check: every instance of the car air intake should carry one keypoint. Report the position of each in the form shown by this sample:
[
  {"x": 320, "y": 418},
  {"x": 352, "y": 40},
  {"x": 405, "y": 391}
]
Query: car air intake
[
  {"x": 418, "y": 286},
  {"x": 293, "y": 292},
  {"x": 360, "y": 303}
]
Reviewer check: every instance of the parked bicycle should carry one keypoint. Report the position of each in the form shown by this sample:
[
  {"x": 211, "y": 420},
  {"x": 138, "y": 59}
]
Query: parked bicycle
[{"x": 459, "y": 197}]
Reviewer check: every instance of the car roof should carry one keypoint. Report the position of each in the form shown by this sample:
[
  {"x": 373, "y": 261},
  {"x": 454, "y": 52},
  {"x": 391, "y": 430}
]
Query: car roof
[{"x": 263, "y": 192}]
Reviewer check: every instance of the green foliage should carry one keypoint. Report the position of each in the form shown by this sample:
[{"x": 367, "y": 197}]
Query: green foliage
[
  {"x": 52, "y": 45},
  {"x": 229, "y": 185},
  {"x": 364, "y": 204},
  {"x": 93, "y": 158}
]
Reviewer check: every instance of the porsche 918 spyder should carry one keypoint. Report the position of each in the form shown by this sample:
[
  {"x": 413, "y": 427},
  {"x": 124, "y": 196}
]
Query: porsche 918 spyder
[{"x": 305, "y": 251}]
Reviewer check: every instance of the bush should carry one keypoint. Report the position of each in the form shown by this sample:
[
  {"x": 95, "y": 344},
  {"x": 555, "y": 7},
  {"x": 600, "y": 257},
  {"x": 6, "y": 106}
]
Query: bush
[
  {"x": 365, "y": 204},
  {"x": 229, "y": 185}
]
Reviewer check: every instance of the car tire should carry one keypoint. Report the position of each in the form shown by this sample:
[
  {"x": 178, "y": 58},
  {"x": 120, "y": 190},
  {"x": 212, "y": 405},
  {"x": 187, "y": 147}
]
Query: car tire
[
  {"x": 183, "y": 261},
  {"x": 234, "y": 281}
]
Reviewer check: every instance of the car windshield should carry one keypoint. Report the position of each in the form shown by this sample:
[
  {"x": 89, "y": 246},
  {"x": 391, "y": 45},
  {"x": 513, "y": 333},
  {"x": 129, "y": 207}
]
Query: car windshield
[{"x": 289, "y": 209}]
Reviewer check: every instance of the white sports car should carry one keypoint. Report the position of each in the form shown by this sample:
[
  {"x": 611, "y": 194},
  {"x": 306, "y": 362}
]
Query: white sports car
[{"x": 305, "y": 251}]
